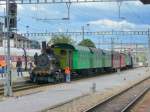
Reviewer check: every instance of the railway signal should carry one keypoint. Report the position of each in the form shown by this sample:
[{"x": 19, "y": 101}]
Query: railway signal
[
  {"x": 13, "y": 15},
  {"x": 12, "y": 12}
]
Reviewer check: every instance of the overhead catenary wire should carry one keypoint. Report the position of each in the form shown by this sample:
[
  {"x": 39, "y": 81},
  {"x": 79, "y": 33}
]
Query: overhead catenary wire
[{"x": 59, "y": 1}]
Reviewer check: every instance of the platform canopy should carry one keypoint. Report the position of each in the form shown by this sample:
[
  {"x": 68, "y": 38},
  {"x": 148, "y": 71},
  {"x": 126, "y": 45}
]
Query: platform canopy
[{"x": 145, "y": 1}]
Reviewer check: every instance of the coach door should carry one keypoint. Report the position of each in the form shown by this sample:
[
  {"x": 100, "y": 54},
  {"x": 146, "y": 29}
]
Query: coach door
[{"x": 70, "y": 54}]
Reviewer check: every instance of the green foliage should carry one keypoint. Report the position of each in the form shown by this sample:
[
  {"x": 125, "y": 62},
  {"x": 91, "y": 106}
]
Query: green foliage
[
  {"x": 141, "y": 57},
  {"x": 61, "y": 39},
  {"x": 87, "y": 43}
]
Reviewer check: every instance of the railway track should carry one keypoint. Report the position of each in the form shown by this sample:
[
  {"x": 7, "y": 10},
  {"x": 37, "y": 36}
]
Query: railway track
[
  {"x": 22, "y": 86},
  {"x": 123, "y": 101},
  {"x": 135, "y": 101}
]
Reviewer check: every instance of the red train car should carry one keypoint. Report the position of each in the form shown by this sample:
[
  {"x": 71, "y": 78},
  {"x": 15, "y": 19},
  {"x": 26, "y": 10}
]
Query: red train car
[
  {"x": 122, "y": 61},
  {"x": 118, "y": 60},
  {"x": 115, "y": 60}
]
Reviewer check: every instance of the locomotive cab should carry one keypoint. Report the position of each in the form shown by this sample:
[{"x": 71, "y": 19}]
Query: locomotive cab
[{"x": 64, "y": 52}]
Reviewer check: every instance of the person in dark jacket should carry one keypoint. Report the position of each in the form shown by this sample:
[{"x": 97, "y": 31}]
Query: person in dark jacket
[
  {"x": 35, "y": 58},
  {"x": 19, "y": 67}
]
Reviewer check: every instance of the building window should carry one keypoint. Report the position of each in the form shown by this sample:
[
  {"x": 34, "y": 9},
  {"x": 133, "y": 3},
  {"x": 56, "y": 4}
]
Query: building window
[{"x": 1, "y": 42}]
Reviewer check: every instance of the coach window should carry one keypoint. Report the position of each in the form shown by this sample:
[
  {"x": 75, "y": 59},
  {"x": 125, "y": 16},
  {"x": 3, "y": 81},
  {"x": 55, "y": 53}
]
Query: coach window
[{"x": 63, "y": 52}]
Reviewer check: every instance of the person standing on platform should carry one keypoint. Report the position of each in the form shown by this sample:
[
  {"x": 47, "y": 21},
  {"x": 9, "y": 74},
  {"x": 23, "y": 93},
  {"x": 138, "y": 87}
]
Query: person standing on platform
[
  {"x": 1, "y": 70},
  {"x": 30, "y": 66},
  {"x": 19, "y": 67},
  {"x": 35, "y": 58},
  {"x": 3, "y": 67},
  {"x": 68, "y": 74}
]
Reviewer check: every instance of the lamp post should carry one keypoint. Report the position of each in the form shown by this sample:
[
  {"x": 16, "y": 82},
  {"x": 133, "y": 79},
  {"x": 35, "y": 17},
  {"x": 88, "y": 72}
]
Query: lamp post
[
  {"x": 83, "y": 30},
  {"x": 8, "y": 83}
]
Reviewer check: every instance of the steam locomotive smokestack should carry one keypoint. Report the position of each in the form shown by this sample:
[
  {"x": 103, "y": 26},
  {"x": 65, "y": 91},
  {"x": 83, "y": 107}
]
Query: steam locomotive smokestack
[{"x": 44, "y": 45}]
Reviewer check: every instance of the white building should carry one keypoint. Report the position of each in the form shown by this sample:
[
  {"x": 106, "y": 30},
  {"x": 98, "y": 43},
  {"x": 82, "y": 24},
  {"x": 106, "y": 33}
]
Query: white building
[
  {"x": 20, "y": 47},
  {"x": 18, "y": 41}
]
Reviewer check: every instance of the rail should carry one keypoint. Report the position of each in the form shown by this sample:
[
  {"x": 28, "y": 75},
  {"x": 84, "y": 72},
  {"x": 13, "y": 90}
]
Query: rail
[
  {"x": 21, "y": 87},
  {"x": 133, "y": 102},
  {"x": 111, "y": 98}
]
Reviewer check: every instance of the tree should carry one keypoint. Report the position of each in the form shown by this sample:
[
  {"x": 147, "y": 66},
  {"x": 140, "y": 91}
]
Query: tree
[
  {"x": 61, "y": 39},
  {"x": 87, "y": 43}
]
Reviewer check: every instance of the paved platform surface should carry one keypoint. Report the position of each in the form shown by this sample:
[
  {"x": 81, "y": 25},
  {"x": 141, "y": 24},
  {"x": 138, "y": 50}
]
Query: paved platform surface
[{"x": 67, "y": 91}]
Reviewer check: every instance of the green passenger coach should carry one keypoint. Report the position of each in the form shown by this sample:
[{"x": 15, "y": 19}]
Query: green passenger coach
[
  {"x": 107, "y": 60},
  {"x": 76, "y": 57},
  {"x": 80, "y": 58}
]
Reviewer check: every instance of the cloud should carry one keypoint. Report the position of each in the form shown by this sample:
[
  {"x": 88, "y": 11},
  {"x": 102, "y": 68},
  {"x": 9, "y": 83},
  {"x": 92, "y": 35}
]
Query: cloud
[{"x": 111, "y": 24}]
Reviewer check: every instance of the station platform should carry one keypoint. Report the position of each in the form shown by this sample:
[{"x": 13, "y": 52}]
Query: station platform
[{"x": 64, "y": 92}]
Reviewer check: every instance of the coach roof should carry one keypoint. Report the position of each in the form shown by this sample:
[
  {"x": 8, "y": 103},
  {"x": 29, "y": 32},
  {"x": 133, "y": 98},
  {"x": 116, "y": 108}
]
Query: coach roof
[{"x": 69, "y": 46}]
